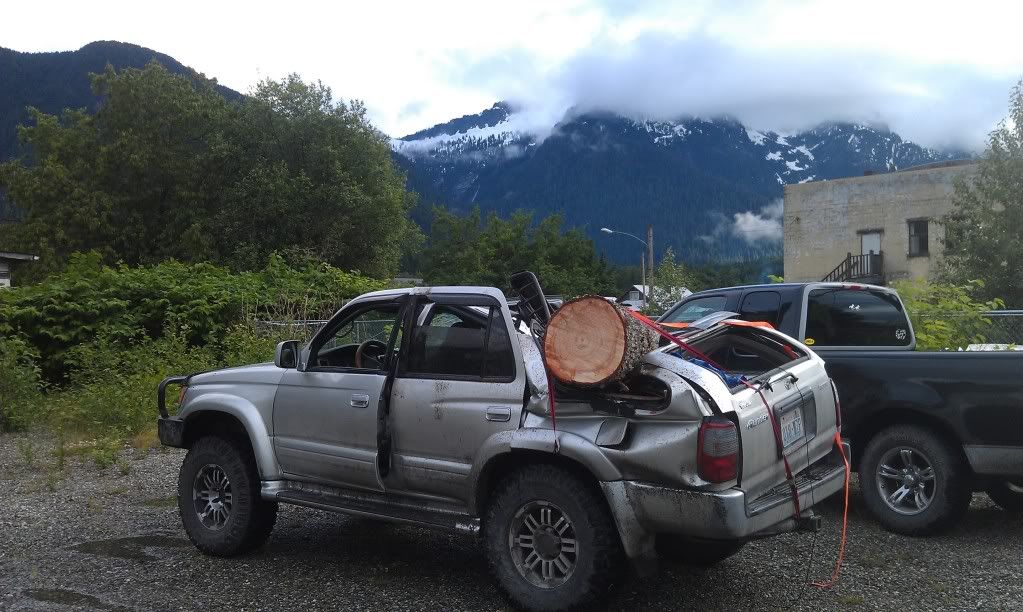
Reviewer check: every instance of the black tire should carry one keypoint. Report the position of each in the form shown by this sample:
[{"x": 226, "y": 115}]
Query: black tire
[
  {"x": 249, "y": 518},
  {"x": 694, "y": 551},
  {"x": 1008, "y": 494},
  {"x": 596, "y": 556},
  {"x": 945, "y": 496}
]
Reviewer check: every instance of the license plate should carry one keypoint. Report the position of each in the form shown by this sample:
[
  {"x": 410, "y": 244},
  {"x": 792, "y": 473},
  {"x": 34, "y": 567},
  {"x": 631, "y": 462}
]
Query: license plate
[{"x": 791, "y": 427}]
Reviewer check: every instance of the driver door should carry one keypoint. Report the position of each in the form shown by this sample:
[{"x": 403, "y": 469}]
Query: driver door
[{"x": 325, "y": 413}]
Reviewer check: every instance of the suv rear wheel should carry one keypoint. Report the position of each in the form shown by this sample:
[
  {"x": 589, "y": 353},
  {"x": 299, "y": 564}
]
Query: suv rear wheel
[
  {"x": 913, "y": 481},
  {"x": 219, "y": 501},
  {"x": 550, "y": 540}
]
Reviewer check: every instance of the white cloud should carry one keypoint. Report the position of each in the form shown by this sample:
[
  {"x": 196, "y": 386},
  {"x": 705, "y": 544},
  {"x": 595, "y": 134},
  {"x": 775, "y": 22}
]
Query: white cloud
[
  {"x": 763, "y": 226},
  {"x": 937, "y": 72}
]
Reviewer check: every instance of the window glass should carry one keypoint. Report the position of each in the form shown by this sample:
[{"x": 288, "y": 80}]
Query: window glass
[
  {"x": 850, "y": 317},
  {"x": 465, "y": 341},
  {"x": 500, "y": 361},
  {"x": 695, "y": 309},
  {"x": 918, "y": 237},
  {"x": 761, "y": 306},
  {"x": 375, "y": 323}
]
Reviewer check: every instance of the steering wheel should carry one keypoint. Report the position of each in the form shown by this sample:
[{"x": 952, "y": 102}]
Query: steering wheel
[{"x": 361, "y": 354}]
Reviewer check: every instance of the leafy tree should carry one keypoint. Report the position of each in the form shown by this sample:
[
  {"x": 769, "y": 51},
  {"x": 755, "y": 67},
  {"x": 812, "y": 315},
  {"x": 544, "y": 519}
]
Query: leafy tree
[
  {"x": 315, "y": 175},
  {"x": 671, "y": 279},
  {"x": 983, "y": 229},
  {"x": 470, "y": 250},
  {"x": 946, "y": 316},
  {"x": 167, "y": 168}
]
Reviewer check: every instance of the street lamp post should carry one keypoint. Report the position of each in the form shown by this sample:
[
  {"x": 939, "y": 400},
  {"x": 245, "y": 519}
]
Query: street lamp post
[{"x": 642, "y": 260}]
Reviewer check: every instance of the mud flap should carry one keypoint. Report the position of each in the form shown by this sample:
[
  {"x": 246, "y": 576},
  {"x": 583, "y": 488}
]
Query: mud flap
[{"x": 637, "y": 542}]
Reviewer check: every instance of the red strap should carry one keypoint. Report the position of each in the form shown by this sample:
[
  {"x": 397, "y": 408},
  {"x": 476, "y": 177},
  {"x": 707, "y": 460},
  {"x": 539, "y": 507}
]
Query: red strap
[
  {"x": 845, "y": 520},
  {"x": 770, "y": 413},
  {"x": 740, "y": 323}
]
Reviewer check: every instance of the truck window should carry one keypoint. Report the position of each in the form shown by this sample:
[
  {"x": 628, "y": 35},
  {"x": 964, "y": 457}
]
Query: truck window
[
  {"x": 691, "y": 310},
  {"x": 855, "y": 317},
  {"x": 761, "y": 306},
  {"x": 460, "y": 341}
]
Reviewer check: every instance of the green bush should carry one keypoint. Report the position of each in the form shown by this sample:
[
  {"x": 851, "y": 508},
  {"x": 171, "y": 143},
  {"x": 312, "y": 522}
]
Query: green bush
[
  {"x": 118, "y": 307},
  {"x": 946, "y": 316},
  {"x": 19, "y": 383},
  {"x": 83, "y": 351}
]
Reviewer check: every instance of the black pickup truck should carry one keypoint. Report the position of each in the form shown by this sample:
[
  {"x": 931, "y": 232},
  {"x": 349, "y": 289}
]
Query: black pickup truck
[{"x": 929, "y": 428}]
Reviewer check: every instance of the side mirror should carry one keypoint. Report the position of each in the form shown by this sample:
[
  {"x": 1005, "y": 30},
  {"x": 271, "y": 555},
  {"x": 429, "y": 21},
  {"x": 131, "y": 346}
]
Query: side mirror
[{"x": 286, "y": 355}]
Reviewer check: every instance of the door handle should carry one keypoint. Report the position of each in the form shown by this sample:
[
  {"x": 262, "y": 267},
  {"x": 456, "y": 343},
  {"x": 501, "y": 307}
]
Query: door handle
[
  {"x": 498, "y": 413},
  {"x": 360, "y": 400}
]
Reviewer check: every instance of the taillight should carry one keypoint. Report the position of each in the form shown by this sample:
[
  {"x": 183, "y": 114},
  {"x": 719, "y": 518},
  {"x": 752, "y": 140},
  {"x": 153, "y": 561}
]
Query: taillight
[{"x": 717, "y": 450}]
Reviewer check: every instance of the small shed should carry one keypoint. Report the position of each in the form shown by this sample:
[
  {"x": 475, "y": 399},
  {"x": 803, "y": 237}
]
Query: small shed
[{"x": 8, "y": 260}]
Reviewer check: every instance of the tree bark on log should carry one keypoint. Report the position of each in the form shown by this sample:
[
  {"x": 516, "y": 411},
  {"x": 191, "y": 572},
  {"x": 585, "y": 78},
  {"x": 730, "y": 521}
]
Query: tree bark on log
[{"x": 590, "y": 342}]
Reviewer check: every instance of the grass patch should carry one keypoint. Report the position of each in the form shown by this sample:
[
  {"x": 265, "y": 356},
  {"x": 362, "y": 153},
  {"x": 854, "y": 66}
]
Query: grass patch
[
  {"x": 850, "y": 600},
  {"x": 27, "y": 452},
  {"x": 161, "y": 502},
  {"x": 145, "y": 439},
  {"x": 118, "y": 490}
]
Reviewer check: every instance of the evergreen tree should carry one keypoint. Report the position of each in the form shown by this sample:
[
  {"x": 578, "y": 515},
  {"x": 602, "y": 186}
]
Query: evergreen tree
[{"x": 983, "y": 230}]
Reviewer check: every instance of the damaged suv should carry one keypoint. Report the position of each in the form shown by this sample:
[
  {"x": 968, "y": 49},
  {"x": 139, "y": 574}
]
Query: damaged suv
[{"x": 432, "y": 406}]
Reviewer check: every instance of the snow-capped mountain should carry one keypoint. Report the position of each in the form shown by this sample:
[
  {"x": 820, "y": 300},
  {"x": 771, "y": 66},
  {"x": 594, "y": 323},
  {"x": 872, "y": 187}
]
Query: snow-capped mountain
[{"x": 694, "y": 179}]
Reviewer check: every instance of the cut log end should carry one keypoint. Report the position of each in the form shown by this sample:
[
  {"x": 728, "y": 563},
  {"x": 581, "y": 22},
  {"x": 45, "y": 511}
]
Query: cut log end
[{"x": 590, "y": 341}]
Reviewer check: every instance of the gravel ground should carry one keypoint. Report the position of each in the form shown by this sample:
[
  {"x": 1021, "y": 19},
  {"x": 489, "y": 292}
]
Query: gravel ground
[{"x": 91, "y": 539}]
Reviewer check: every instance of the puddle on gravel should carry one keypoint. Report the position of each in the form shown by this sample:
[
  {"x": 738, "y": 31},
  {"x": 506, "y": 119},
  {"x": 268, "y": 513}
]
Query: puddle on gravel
[
  {"x": 70, "y": 598},
  {"x": 133, "y": 548}
]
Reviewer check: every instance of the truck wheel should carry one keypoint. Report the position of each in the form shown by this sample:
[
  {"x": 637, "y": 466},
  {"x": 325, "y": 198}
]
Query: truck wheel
[
  {"x": 219, "y": 501},
  {"x": 694, "y": 551},
  {"x": 1008, "y": 494},
  {"x": 550, "y": 540},
  {"x": 913, "y": 482}
]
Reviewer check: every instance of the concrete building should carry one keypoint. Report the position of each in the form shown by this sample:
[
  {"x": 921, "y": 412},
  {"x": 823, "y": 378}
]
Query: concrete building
[
  {"x": 7, "y": 261},
  {"x": 875, "y": 228}
]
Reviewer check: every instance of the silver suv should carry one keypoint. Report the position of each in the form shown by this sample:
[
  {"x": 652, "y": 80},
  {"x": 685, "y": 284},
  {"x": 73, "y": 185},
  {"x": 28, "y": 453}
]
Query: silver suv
[{"x": 432, "y": 407}]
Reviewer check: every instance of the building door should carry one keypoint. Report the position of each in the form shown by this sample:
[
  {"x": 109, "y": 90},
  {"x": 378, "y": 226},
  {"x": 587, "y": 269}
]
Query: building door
[{"x": 870, "y": 244}]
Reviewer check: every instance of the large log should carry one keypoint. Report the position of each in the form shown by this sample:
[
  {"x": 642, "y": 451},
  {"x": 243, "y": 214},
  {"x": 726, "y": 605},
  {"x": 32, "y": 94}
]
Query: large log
[{"x": 590, "y": 341}]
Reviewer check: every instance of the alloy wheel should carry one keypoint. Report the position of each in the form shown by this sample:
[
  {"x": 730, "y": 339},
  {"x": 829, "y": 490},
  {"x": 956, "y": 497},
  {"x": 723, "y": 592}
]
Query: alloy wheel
[
  {"x": 211, "y": 497},
  {"x": 543, "y": 545},
  {"x": 905, "y": 480}
]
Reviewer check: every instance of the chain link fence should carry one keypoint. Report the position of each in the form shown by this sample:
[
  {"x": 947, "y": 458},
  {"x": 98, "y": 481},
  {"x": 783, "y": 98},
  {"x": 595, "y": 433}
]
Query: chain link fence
[{"x": 1006, "y": 327}]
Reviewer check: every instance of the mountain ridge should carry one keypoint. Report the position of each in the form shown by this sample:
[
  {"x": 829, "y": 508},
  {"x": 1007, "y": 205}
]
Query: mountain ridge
[
  {"x": 54, "y": 80},
  {"x": 707, "y": 185}
]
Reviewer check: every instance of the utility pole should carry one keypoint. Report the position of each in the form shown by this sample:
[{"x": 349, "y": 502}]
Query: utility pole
[
  {"x": 642, "y": 268},
  {"x": 650, "y": 256}
]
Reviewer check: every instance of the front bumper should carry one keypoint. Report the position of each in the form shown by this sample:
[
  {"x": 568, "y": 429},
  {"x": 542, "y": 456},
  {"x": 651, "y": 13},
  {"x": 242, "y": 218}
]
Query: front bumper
[
  {"x": 644, "y": 509},
  {"x": 171, "y": 431}
]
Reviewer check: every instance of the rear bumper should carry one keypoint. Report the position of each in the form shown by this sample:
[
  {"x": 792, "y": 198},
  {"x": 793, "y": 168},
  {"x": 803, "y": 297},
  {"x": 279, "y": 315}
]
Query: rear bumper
[{"x": 643, "y": 509}]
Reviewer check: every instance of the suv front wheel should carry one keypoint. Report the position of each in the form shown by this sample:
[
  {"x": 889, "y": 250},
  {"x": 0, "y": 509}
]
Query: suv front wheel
[
  {"x": 218, "y": 498},
  {"x": 550, "y": 540}
]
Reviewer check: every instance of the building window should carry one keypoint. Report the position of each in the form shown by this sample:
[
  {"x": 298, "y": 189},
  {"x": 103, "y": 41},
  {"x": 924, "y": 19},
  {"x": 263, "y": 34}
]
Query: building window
[{"x": 918, "y": 238}]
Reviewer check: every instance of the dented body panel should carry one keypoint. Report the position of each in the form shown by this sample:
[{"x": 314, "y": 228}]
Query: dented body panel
[{"x": 410, "y": 440}]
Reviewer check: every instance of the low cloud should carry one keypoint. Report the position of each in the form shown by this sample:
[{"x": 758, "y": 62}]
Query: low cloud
[
  {"x": 760, "y": 227},
  {"x": 664, "y": 76}
]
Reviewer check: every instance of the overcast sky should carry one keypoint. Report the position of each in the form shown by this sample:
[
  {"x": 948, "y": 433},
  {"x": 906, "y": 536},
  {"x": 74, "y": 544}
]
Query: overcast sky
[{"x": 938, "y": 73}]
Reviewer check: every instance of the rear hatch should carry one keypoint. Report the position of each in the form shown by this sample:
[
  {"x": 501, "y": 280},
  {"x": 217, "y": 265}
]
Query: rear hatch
[{"x": 795, "y": 386}]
